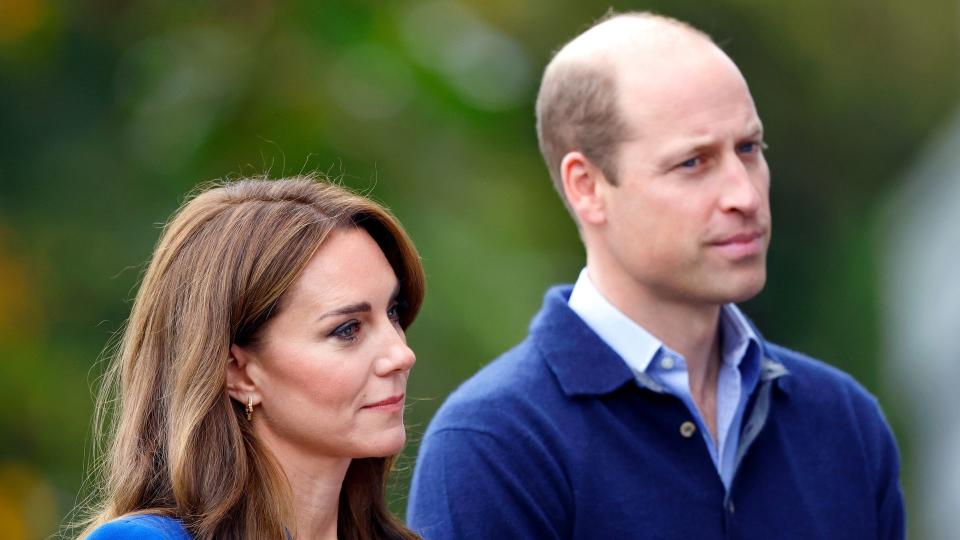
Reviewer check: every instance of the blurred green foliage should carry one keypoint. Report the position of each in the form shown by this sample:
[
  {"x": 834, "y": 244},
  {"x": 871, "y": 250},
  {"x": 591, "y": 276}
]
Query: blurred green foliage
[{"x": 112, "y": 110}]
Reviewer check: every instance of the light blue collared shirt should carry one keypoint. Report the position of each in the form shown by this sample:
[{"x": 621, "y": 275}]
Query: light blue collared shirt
[{"x": 644, "y": 353}]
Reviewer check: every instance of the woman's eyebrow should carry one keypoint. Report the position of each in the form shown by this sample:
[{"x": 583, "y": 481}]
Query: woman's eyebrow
[
  {"x": 395, "y": 295},
  {"x": 361, "y": 307}
]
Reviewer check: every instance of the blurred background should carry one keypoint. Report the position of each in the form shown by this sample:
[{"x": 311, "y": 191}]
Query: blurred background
[{"x": 112, "y": 110}]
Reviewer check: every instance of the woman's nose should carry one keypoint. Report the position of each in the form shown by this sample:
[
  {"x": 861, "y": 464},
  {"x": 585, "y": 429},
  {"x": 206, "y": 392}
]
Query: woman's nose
[{"x": 397, "y": 356}]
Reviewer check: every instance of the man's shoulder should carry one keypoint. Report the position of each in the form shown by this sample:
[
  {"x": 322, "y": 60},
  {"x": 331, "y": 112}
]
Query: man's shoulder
[
  {"x": 808, "y": 369},
  {"x": 515, "y": 385},
  {"x": 827, "y": 408},
  {"x": 817, "y": 383},
  {"x": 143, "y": 526},
  {"x": 513, "y": 374}
]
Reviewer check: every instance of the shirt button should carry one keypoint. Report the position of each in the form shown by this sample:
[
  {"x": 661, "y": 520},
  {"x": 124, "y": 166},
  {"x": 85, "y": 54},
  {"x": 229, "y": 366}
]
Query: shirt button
[
  {"x": 730, "y": 507},
  {"x": 666, "y": 362},
  {"x": 687, "y": 429}
]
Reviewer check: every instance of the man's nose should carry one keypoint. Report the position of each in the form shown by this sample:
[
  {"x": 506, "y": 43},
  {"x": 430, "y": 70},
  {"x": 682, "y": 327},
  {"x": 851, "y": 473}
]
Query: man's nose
[{"x": 742, "y": 189}]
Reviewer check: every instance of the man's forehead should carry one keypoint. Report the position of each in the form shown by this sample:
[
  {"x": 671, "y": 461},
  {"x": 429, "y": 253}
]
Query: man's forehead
[
  {"x": 691, "y": 106},
  {"x": 689, "y": 95}
]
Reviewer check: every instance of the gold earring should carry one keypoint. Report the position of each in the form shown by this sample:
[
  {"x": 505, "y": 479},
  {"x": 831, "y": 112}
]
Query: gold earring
[{"x": 249, "y": 408}]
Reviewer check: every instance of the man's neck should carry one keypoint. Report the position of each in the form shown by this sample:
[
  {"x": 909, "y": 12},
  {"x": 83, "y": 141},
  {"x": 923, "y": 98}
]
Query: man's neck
[{"x": 691, "y": 330}]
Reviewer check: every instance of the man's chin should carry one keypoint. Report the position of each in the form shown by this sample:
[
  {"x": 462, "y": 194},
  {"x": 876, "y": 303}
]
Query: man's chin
[{"x": 747, "y": 289}]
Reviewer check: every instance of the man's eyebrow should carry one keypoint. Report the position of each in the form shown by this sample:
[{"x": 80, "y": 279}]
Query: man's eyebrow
[
  {"x": 756, "y": 131},
  {"x": 705, "y": 142},
  {"x": 361, "y": 307},
  {"x": 686, "y": 146}
]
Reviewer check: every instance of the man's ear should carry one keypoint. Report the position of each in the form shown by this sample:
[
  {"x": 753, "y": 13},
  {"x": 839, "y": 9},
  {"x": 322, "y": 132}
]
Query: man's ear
[
  {"x": 240, "y": 385},
  {"x": 583, "y": 184}
]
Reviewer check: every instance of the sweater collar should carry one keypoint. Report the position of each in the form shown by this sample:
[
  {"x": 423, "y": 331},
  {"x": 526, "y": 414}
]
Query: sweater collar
[{"x": 583, "y": 363}]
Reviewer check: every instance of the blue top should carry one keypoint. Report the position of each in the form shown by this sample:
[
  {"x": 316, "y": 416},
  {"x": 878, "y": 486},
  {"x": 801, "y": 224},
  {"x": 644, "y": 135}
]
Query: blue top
[
  {"x": 560, "y": 439},
  {"x": 143, "y": 526},
  {"x": 644, "y": 353}
]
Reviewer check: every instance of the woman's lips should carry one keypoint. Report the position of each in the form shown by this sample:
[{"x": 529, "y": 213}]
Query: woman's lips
[{"x": 391, "y": 404}]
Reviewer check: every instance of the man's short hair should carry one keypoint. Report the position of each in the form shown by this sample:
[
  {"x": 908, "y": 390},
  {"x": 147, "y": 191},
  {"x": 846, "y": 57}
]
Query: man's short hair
[{"x": 577, "y": 107}]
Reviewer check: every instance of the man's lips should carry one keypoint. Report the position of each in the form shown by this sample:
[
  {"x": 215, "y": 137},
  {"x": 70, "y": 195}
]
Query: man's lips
[
  {"x": 742, "y": 237},
  {"x": 741, "y": 244},
  {"x": 389, "y": 404}
]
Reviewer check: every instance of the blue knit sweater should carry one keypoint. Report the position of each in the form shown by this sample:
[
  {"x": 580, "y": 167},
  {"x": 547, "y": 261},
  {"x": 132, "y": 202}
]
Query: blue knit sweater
[{"x": 559, "y": 439}]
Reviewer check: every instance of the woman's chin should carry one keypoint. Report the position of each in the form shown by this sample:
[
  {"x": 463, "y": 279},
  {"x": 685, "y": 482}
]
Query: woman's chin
[{"x": 386, "y": 444}]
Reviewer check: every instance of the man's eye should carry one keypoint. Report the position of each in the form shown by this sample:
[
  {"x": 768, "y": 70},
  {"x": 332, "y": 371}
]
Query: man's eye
[
  {"x": 750, "y": 147},
  {"x": 347, "y": 331},
  {"x": 690, "y": 163}
]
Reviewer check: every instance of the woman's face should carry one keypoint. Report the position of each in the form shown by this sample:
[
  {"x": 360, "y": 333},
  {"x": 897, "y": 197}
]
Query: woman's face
[{"x": 330, "y": 369}]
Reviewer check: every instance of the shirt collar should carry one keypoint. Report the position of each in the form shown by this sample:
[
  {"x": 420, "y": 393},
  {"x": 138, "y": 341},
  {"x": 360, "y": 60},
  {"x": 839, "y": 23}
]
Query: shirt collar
[
  {"x": 631, "y": 341},
  {"x": 635, "y": 345},
  {"x": 583, "y": 363},
  {"x": 737, "y": 334}
]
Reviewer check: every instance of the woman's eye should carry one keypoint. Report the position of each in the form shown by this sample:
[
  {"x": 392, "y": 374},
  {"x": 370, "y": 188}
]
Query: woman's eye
[
  {"x": 347, "y": 331},
  {"x": 394, "y": 312}
]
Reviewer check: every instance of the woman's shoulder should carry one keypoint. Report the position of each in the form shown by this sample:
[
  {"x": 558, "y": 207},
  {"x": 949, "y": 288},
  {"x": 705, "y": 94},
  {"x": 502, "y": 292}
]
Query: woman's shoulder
[{"x": 145, "y": 526}]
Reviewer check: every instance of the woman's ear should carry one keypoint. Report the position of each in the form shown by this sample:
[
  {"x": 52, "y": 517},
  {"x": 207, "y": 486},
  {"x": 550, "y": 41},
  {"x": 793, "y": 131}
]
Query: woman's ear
[{"x": 240, "y": 385}]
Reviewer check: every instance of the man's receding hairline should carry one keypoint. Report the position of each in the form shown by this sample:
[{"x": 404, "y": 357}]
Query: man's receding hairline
[
  {"x": 598, "y": 43},
  {"x": 577, "y": 107}
]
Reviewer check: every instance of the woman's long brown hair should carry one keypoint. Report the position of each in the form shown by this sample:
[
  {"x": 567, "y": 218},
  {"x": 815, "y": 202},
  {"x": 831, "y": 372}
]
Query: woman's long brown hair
[{"x": 175, "y": 443}]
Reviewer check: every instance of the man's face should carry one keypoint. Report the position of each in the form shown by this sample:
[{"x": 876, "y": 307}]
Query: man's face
[{"x": 689, "y": 220}]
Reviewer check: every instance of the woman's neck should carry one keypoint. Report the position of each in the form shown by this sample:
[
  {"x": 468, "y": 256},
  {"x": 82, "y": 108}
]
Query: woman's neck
[
  {"x": 316, "y": 500},
  {"x": 315, "y": 484}
]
